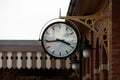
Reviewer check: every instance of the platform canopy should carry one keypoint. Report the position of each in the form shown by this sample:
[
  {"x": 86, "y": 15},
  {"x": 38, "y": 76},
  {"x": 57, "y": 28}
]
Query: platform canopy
[{"x": 28, "y": 54}]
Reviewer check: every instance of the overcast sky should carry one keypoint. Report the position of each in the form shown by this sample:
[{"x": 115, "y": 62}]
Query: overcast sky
[{"x": 23, "y": 19}]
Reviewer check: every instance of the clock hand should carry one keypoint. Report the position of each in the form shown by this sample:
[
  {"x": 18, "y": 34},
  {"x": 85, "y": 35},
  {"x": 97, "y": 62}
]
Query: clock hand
[
  {"x": 51, "y": 40},
  {"x": 63, "y": 41},
  {"x": 60, "y": 41}
]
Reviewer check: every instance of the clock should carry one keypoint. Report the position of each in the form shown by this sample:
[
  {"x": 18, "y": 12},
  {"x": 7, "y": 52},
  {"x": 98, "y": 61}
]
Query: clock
[{"x": 59, "y": 39}]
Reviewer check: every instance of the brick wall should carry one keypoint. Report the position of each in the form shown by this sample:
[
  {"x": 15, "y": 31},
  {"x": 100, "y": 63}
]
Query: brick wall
[{"x": 115, "y": 74}]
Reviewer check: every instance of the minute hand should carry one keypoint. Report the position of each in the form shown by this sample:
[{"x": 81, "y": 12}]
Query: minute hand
[
  {"x": 63, "y": 41},
  {"x": 51, "y": 40}
]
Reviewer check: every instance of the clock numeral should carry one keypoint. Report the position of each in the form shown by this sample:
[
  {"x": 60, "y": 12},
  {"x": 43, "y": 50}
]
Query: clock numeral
[
  {"x": 53, "y": 52},
  {"x": 60, "y": 53},
  {"x": 48, "y": 47},
  {"x": 66, "y": 51},
  {"x": 71, "y": 33},
  {"x": 66, "y": 28},
  {"x": 53, "y": 28}
]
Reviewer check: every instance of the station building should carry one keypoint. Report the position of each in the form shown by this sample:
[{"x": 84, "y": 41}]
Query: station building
[{"x": 98, "y": 19}]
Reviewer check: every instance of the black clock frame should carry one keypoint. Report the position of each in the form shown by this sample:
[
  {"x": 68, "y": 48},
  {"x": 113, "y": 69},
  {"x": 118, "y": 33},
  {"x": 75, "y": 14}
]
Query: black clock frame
[{"x": 66, "y": 23}]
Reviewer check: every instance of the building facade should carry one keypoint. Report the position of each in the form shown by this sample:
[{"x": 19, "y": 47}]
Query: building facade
[{"x": 98, "y": 19}]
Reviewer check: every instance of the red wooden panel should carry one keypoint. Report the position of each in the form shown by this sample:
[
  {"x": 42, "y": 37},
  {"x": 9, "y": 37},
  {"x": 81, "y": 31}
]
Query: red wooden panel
[
  {"x": 24, "y": 61},
  {"x": 43, "y": 60},
  {"x": 4, "y": 59},
  {"x": 14, "y": 59},
  {"x": 33, "y": 60},
  {"x": 63, "y": 63},
  {"x": 53, "y": 63}
]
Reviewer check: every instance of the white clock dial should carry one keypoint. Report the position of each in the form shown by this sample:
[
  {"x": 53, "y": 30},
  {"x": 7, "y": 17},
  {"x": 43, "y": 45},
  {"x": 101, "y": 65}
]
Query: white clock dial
[{"x": 59, "y": 40}]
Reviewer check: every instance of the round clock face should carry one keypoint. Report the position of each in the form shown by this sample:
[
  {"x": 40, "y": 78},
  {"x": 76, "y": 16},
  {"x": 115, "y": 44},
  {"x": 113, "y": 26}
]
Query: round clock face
[{"x": 59, "y": 40}]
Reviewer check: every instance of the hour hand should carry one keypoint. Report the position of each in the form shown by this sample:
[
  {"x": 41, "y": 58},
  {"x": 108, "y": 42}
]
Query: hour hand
[
  {"x": 63, "y": 41},
  {"x": 51, "y": 40}
]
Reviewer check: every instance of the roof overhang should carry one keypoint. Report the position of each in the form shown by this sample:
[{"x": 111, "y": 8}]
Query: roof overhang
[{"x": 85, "y": 7}]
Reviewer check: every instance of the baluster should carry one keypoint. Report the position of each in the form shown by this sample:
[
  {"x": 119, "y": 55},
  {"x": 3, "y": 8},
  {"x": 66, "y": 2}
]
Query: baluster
[
  {"x": 58, "y": 65},
  {"x": 0, "y": 59},
  {"x": 38, "y": 55},
  {"x": 48, "y": 62},
  {"x": 9, "y": 60},
  {"x": 68, "y": 63},
  {"x": 28, "y": 60},
  {"x": 19, "y": 60}
]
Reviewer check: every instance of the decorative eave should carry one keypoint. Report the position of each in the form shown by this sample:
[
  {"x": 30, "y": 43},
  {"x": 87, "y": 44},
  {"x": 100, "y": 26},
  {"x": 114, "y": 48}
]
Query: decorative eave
[{"x": 20, "y": 45}]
